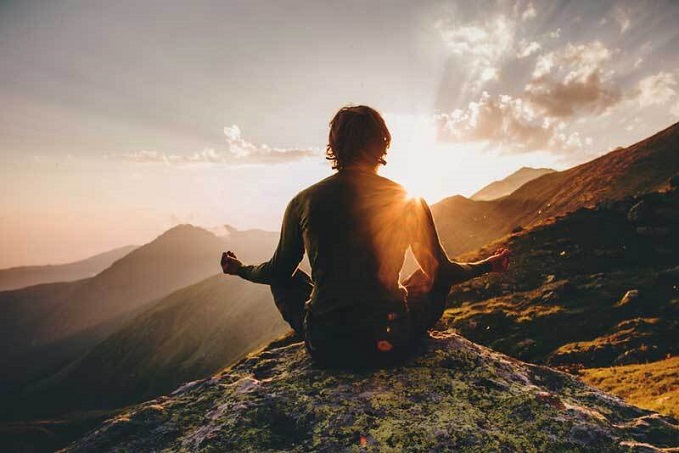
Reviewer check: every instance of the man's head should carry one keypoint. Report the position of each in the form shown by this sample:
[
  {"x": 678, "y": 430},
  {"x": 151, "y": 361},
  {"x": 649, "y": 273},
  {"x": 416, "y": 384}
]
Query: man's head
[{"x": 358, "y": 136}]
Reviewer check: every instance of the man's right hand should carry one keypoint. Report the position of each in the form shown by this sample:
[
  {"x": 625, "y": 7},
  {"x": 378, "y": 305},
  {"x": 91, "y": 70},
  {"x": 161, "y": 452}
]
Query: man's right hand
[
  {"x": 500, "y": 261},
  {"x": 230, "y": 264}
]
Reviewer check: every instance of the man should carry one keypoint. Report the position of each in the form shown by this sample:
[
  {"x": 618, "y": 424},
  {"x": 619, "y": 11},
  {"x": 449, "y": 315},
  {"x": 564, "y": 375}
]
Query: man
[{"x": 356, "y": 227}]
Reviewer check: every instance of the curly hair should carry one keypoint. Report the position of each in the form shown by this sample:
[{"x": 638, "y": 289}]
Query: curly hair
[{"x": 358, "y": 134}]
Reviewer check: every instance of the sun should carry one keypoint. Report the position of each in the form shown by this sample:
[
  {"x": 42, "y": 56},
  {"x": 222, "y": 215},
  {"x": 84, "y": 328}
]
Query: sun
[
  {"x": 413, "y": 139},
  {"x": 434, "y": 170},
  {"x": 414, "y": 187}
]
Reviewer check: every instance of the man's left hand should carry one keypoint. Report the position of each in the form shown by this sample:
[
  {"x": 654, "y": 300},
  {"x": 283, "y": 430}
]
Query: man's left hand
[{"x": 230, "y": 264}]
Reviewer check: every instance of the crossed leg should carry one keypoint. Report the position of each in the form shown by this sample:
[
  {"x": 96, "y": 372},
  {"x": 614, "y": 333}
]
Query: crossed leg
[
  {"x": 426, "y": 301},
  {"x": 290, "y": 297}
]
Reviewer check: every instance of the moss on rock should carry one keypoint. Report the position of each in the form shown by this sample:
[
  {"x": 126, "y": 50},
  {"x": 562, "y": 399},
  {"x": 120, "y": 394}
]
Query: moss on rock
[{"x": 455, "y": 395}]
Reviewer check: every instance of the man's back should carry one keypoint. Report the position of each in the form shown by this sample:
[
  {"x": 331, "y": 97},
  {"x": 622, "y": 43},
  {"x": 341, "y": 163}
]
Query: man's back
[{"x": 355, "y": 230}]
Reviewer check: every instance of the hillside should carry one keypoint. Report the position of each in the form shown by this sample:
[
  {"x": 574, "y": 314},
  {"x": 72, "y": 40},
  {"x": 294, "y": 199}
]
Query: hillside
[
  {"x": 455, "y": 396},
  {"x": 43, "y": 327},
  {"x": 189, "y": 334},
  {"x": 631, "y": 382},
  {"x": 23, "y": 276},
  {"x": 503, "y": 187},
  {"x": 465, "y": 225},
  {"x": 595, "y": 288}
]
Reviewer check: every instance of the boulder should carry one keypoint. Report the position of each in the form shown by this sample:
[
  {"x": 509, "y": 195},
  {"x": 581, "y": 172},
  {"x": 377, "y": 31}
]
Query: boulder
[{"x": 453, "y": 395}]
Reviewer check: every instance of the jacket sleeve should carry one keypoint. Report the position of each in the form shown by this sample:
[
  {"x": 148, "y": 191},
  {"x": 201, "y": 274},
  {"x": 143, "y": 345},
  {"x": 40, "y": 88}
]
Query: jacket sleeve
[
  {"x": 430, "y": 254},
  {"x": 287, "y": 256}
]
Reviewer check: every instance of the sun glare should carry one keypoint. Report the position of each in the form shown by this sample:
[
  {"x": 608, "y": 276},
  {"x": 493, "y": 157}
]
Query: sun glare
[
  {"x": 413, "y": 139},
  {"x": 434, "y": 170},
  {"x": 426, "y": 168}
]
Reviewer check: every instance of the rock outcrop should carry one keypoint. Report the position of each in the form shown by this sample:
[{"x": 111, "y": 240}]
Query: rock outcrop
[{"x": 453, "y": 395}]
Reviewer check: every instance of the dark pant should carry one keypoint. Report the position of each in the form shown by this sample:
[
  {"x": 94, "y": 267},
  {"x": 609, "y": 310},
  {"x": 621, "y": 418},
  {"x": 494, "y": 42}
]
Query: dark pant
[{"x": 360, "y": 338}]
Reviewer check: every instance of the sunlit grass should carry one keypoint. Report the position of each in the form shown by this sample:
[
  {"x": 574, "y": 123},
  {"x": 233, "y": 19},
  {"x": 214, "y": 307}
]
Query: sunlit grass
[{"x": 653, "y": 386}]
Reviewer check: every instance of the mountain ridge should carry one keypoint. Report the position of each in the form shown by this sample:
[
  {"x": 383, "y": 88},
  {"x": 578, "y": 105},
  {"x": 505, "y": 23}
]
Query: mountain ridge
[
  {"x": 509, "y": 184},
  {"x": 465, "y": 225},
  {"x": 23, "y": 276}
]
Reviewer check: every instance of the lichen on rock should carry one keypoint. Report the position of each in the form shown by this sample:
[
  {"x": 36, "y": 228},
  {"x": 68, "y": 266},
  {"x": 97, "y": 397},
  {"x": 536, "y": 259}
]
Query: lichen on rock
[{"x": 452, "y": 395}]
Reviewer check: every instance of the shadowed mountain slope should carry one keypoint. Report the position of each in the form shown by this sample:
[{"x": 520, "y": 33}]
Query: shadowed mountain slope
[
  {"x": 455, "y": 396},
  {"x": 23, "y": 276},
  {"x": 189, "y": 334},
  {"x": 42, "y": 327},
  {"x": 503, "y": 187},
  {"x": 72, "y": 316},
  {"x": 466, "y": 225}
]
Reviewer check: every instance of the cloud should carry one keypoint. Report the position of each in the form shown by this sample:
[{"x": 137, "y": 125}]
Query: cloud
[
  {"x": 529, "y": 13},
  {"x": 656, "y": 89},
  {"x": 482, "y": 44},
  {"x": 675, "y": 109},
  {"x": 245, "y": 150},
  {"x": 622, "y": 17},
  {"x": 566, "y": 84},
  {"x": 578, "y": 60},
  {"x": 567, "y": 98},
  {"x": 508, "y": 123},
  {"x": 527, "y": 49},
  {"x": 238, "y": 151},
  {"x": 485, "y": 40},
  {"x": 573, "y": 80}
]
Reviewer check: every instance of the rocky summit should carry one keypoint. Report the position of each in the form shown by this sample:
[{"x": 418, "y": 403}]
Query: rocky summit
[{"x": 452, "y": 395}]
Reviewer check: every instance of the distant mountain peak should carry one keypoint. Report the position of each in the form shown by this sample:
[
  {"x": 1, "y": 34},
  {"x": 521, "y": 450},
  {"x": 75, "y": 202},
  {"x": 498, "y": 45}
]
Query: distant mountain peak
[
  {"x": 185, "y": 230},
  {"x": 506, "y": 186},
  {"x": 230, "y": 229},
  {"x": 533, "y": 169},
  {"x": 185, "y": 227}
]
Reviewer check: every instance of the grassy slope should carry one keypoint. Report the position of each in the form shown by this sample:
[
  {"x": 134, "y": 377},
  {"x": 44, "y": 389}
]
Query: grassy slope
[
  {"x": 563, "y": 302},
  {"x": 559, "y": 303},
  {"x": 653, "y": 386}
]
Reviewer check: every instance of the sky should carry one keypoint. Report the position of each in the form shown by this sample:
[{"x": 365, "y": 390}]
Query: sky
[{"x": 122, "y": 119}]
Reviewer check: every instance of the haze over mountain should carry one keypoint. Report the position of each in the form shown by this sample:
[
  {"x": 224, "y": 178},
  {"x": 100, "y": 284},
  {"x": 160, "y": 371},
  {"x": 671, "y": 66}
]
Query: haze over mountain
[
  {"x": 191, "y": 333},
  {"x": 466, "y": 225},
  {"x": 45, "y": 326},
  {"x": 498, "y": 189},
  {"x": 23, "y": 276}
]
